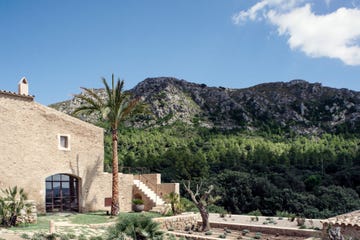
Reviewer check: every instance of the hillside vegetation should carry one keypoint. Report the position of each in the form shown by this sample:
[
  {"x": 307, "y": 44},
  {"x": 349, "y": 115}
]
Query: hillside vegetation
[
  {"x": 290, "y": 147},
  {"x": 311, "y": 176}
]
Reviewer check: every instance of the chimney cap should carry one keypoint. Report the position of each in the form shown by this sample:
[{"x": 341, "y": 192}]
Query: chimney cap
[{"x": 23, "y": 80}]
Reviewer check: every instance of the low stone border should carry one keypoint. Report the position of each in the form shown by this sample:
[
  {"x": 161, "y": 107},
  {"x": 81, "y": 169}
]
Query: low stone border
[
  {"x": 307, "y": 233},
  {"x": 192, "y": 236},
  {"x": 178, "y": 222}
]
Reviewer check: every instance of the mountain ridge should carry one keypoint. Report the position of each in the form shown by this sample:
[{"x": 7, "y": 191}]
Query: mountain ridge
[{"x": 297, "y": 106}]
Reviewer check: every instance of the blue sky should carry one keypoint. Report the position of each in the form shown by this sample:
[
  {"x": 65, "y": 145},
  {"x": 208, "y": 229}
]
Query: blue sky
[{"x": 60, "y": 46}]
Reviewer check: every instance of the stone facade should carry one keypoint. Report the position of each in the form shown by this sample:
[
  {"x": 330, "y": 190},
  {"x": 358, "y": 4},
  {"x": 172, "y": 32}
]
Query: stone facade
[
  {"x": 38, "y": 142},
  {"x": 348, "y": 225}
]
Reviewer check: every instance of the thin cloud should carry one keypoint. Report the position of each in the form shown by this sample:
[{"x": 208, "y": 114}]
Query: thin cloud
[
  {"x": 259, "y": 10},
  {"x": 334, "y": 35}
]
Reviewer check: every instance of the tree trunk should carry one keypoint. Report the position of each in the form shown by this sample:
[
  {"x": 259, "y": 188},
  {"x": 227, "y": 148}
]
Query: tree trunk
[
  {"x": 205, "y": 218},
  {"x": 115, "y": 173}
]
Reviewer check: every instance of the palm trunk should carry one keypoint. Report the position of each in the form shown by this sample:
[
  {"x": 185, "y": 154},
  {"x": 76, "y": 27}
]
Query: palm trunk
[{"x": 115, "y": 174}]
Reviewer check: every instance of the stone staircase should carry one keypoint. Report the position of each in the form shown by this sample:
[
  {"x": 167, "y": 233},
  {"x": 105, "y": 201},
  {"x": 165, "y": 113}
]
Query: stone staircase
[{"x": 160, "y": 204}]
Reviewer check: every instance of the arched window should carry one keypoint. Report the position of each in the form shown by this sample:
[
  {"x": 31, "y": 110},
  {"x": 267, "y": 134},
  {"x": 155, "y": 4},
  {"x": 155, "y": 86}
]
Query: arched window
[{"x": 62, "y": 193}]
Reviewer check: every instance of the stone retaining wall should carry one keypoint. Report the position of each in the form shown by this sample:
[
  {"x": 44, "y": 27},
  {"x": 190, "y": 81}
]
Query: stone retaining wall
[
  {"x": 269, "y": 230},
  {"x": 178, "y": 222},
  {"x": 347, "y": 231}
]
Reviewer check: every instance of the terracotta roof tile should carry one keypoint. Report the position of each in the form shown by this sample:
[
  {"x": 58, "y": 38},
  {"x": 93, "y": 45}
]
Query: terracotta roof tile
[
  {"x": 352, "y": 218},
  {"x": 9, "y": 93}
]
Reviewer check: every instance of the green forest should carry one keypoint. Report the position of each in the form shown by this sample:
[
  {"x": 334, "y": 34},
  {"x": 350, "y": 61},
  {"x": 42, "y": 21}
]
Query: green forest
[{"x": 310, "y": 176}]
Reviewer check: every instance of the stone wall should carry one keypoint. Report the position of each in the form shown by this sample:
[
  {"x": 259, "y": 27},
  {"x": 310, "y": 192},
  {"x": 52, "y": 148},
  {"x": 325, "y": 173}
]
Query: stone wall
[
  {"x": 166, "y": 188},
  {"x": 28, "y": 214},
  {"x": 29, "y": 145},
  {"x": 347, "y": 231},
  {"x": 178, "y": 222},
  {"x": 269, "y": 229},
  {"x": 101, "y": 188},
  {"x": 153, "y": 181},
  {"x": 148, "y": 203}
]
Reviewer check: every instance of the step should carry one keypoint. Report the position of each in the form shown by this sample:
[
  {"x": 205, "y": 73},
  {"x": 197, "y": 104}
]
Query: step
[{"x": 149, "y": 192}]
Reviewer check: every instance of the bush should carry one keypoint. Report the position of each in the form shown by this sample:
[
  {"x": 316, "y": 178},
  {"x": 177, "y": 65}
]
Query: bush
[
  {"x": 137, "y": 201},
  {"x": 255, "y": 213},
  {"x": 258, "y": 235},
  {"x": 11, "y": 205},
  {"x": 45, "y": 236},
  {"x": 25, "y": 236},
  {"x": 135, "y": 226},
  {"x": 71, "y": 235},
  {"x": 82, "y": 237},
  {"x": 216, "y": 209},
  {"x": 96, "y": 238},
  {"x": 64, "y": 237},
  {"x": 187, "y": 205}
]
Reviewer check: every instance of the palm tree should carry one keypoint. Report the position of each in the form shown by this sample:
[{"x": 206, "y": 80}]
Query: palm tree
[
  {"x": 174, "y": 199},
  {"x": 116, "y": 106}
]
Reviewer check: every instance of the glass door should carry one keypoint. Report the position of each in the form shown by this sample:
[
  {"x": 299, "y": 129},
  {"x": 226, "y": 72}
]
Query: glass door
[{"x": 62, "y": 193}]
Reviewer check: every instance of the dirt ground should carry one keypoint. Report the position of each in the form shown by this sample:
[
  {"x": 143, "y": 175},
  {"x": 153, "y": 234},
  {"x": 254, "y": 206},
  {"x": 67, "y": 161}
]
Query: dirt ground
[
  {"x": 216, "y": 232},
  {"x": 265, "y": 221},
  {"x": 272, "y": 222}
]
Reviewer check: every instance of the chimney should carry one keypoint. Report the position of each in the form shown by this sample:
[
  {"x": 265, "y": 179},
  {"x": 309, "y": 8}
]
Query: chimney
[{"x": 23, "y": 88}]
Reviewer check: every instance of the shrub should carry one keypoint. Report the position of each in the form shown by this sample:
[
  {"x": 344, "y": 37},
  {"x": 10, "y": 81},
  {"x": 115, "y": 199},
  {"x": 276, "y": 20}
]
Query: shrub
[
  {"x": 82, "y": 237},
  {"x": 171, "y": 237},
  {"x": 174, "y": 200},
  {"x": 71, "y": 235},
  {"x": 216, "y": 209},
  {"x": 11, "y": 205},
  {"x": 255, "y": 213},
  {"x": 135, "y": 226},
  {"x": 258, "y": 235},
  {"x": 137, "y": 201},
  {"x": 25, "y": 236},
  {"x": 96, "y": 238}
]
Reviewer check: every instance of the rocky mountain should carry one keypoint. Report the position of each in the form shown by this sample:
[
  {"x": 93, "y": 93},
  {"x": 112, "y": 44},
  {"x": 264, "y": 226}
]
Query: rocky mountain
[{"x": 299, "y": 106}]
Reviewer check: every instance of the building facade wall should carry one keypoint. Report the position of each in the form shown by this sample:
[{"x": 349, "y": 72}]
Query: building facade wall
[
  {"x": 29, "y": 147},
  {"x": 101, "y": 189}
]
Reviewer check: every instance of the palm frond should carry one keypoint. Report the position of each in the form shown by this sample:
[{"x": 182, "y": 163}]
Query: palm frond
[{"x": 93, "y": 94}]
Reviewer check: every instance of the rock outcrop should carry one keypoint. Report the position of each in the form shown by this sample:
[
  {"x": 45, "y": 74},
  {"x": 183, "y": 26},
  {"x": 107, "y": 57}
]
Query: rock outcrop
[{"x": 298, "y": 106}]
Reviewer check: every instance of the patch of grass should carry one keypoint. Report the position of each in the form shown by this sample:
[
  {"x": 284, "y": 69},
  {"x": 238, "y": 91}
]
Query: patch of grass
[
  {"x": 91, "y": 218},
  {"x": 41, "y": 225}
]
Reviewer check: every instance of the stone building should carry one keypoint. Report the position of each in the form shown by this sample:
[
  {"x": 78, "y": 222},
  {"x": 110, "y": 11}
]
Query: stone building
[
  {"x": 345, "y": 226},
  {"x": 58, "y": 159}
]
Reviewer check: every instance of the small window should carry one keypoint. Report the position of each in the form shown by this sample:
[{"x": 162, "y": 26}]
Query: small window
[{"x": 64, "y": 142}]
